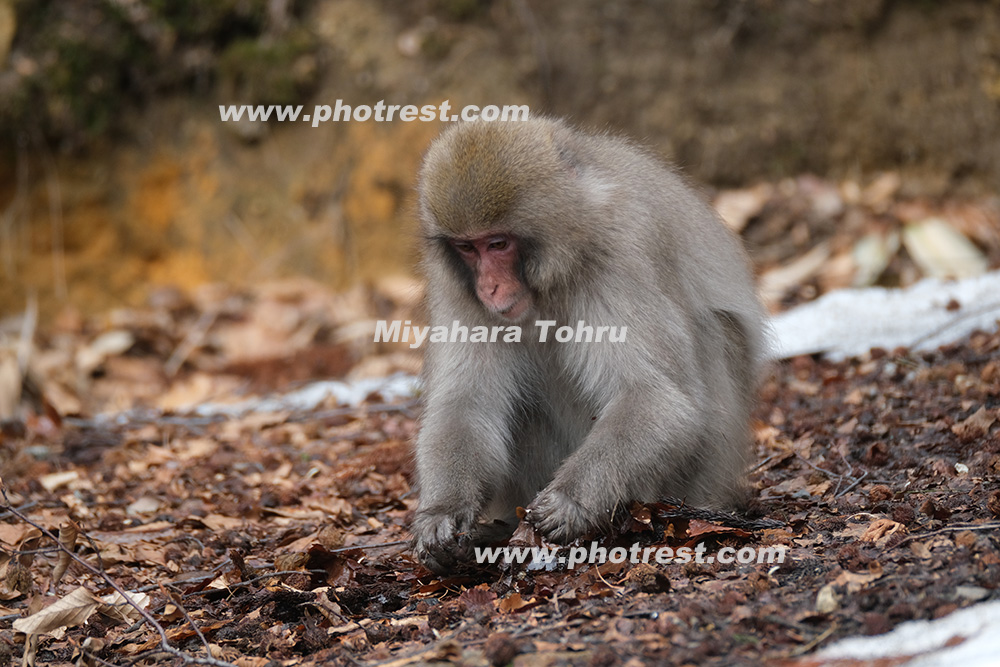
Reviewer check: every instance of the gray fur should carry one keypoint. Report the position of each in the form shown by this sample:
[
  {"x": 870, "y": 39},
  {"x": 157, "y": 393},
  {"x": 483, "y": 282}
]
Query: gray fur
[{"x": 574, "y": 430}]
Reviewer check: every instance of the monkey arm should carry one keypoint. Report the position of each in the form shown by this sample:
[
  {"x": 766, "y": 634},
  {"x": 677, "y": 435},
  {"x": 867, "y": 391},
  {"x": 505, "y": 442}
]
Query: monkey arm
[
  {"x": 463, "y": 450},
  {"x": 470, "y": 450},
  {"x": 644, "y": 444}
]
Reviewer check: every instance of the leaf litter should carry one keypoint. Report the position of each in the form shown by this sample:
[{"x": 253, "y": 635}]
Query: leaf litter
[{"x": 276, "y": 534}]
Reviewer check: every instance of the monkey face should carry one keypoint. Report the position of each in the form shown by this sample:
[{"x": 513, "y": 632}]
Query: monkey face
[{"x": 493, "y": 260}]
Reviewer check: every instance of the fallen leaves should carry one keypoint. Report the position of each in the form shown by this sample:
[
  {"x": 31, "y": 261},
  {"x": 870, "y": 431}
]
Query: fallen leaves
[
  {"x": 66, "y": 612},
  {"x": 280, "y": 532}
]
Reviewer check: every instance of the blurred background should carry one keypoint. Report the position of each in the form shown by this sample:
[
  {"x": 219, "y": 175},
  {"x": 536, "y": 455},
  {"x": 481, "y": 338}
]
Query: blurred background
[{"x": 850, "y": 142}]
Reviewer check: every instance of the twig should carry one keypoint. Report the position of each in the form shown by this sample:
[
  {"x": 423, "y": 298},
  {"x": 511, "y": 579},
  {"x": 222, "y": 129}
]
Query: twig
[
  {"x": 965, "y": 315},
  {"x": 840, "y": 477},
  {"x": 242, "y": 584},
  {"x": 805, "y": 648},
  {"x": 949, "y": 529},
  {"x": 23, "y": 507},
  {"x": 853, "y": 484},
  {"x": 190, "y": 621},
  {"x": 828, "y": 473},
  {"x": 164, "y": 640},
  {"x": 761, "y": 464},
  {"x": 607, "y": 583},
  {"x": 281, "y": 573},
  {"x": 141, "y": 418},
  {"x": 368, "y": 546}
]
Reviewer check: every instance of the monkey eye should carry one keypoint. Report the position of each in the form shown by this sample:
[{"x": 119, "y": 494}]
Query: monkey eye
[
  {"x": 498, "y": 245},
  {"x": 463, "y": 247}
]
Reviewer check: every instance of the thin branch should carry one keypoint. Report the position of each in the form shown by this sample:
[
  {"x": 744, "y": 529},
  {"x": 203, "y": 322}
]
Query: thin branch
[
  {"x": 949, "y": 529},
  {"x": 852, "y": 485},
  {"x": 955, "y": 321},
  {"x": 164, "y": 640},
  {"x": 190, "y": 621}
]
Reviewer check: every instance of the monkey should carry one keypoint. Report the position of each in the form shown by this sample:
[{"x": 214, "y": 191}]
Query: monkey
[{"x": 537, "y": 221}]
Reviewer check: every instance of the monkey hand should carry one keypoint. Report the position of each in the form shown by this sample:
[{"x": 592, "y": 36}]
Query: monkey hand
[
  {"x": 441, "y": 541},
  {"x": 561, "y": 518}
]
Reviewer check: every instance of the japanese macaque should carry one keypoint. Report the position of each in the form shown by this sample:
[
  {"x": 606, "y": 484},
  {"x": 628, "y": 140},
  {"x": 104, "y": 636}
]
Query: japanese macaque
[{"x": 530, "y": 221}]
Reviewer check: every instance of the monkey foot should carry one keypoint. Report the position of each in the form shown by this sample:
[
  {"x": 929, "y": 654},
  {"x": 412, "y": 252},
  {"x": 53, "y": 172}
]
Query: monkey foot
[
  {"x": 560, "y": 517},
  {"x": 441, "y": 541}
]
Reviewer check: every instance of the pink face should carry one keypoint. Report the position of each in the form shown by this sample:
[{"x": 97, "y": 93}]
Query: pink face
[{"x": 493, "y": 260}]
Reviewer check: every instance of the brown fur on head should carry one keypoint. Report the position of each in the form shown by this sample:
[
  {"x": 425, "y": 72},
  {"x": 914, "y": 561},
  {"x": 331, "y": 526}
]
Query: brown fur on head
[
  {"x": 476, "y": 173},
  {"x": 481, "y": 177}
]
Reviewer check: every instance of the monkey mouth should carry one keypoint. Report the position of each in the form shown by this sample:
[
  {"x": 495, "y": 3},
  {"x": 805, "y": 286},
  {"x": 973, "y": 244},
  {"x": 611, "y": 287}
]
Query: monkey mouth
[{"x": 515, "y": 311}]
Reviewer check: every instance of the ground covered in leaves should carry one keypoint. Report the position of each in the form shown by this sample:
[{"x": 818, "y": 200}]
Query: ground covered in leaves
[
  {"x": 263, "y": 534},
  {"x": 280, "y": 537}
]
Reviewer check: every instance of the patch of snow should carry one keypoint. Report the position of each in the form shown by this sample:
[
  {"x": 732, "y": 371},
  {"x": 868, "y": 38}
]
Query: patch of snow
[
  {"x": 969, "y": 637},
  {"x": 850, "y": 322},
  {"x": 314, "y": 395}
]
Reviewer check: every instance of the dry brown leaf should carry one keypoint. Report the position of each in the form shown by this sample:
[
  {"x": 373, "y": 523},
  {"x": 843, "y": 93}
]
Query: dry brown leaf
[
  {"x": 10, "y": 384},
  {"x": 30, "y": 650},
  {"x": 776, "y": 282},
  {"x": 881, "y": 528},
  {"x": 699, "y": 528},
  {"x": 736, "y": 207},
  {"x": 840, "y": 271},
  {"x": 941, "y": 251},
  {"x": 67, "y": 612},
  {"x": 857, "y": 581},
  {"x": 15, "y": 573},
  {"x": 514, "y": 602},
  {"x": 827, "y": 600},
  {"x": 12, "y": 533},
  {"x": 879, "y": 193},
  {"x": 57, "y": 480},
  {"x": 143, "y": 505},
  {"x": 115, "y": 606},
  {"x": 108, "y": 344},
  {"x": 27, "y": 545},
  {"x": 447, "y": 651},
  {"x": 480, "y": 598},
  {"x": 975, "y": 426},
  {"x": 68, "y": 533},
  {"x": 219, "y": 523},
  {"x": 248, "y": 661},
  {"x": 83, "y": 655},
  {"x": 872, "y": 254}
]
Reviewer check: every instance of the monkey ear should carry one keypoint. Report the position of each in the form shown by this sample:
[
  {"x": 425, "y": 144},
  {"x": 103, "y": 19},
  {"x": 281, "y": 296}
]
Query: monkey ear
[
  {"x": 569, "y": 160},
  {"x": 557, "y": 140}
]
